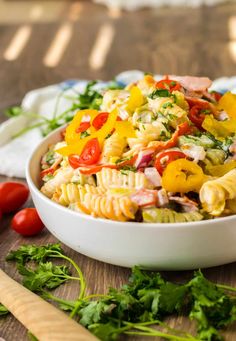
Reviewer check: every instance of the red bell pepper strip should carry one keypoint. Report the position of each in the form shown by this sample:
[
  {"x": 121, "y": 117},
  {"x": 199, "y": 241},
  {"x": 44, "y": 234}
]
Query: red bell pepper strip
[
  {"x": 182, "y": 129},
  {"x": 97, "y": 168}
]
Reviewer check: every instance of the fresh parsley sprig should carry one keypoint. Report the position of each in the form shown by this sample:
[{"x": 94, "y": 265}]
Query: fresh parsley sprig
[
  {"x": 90, "y": 98},
  {"x": 139, "y": 307}
]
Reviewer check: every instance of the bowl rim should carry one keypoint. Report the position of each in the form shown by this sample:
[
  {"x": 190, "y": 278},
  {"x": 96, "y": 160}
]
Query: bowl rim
[{"x": 36, "y": 190}]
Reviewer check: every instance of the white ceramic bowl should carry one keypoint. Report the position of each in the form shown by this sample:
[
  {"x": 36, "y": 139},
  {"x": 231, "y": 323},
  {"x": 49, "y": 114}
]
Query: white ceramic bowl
[{"x": 178, "y": 246}]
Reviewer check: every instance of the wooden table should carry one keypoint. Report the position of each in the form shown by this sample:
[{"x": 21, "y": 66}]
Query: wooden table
[{"x": 181, "y": 41}]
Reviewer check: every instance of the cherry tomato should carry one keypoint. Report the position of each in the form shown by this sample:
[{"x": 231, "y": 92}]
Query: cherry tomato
[
  {"x": 168, "y": 84},
  {"x": 27, "y": 222},
  {"x": 12, "y": 196},
  {"x": 74, "y": 160},
  {"x": 197, "y": 116},
  {"x": 164, "y": 158},
  {"x": 83, "y": 127},
  {"x": 89, "y": 156},
  {"x": 101, "y": 119}
]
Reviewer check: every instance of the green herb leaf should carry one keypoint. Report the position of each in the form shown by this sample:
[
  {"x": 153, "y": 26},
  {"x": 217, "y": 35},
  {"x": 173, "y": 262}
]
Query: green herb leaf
[
  {"x": 32, "y": 337},
  {"x": 159, "y": 93},
  {"x": 14, "y": 111},
  {"x": 3, "y": 310},
  {"x": 34, "y": 253},
  {"x": 105, "y": 332},
  {"x": 46, "y": 275},
  {"x": 94, "y": 312},
  {"x": 125, "y": 169},
  {"x": 84, "y": 134},
  {"x": 212, "y": 308}
]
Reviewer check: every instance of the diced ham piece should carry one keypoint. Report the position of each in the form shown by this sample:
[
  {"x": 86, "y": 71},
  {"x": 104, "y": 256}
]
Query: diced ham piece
[
  {"x": 193, "y": 83},
  {"x": 145, "y": 197}
]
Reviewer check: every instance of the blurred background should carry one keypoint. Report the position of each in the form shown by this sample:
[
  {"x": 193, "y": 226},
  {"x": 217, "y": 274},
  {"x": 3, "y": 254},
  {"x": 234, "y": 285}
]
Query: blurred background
[{"x": 45, "y": 42}]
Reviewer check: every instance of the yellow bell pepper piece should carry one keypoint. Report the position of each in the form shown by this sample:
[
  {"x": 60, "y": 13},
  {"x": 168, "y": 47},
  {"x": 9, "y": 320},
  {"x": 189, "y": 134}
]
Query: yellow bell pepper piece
[
  {"x": 101, "y": 134},
  {"x": 135, "y": 100},
  {"x": 228, "y": 103},
  {"x": 71, "y": 135},
  {"x": 182, "y": 176},
  {"x": 125, "y": 129},
  {"x": 219, "y": 129},
  {"x": 221, "y": 170}
]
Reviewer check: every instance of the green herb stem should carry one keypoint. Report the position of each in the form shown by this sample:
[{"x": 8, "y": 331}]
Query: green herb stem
[
  {"x": 161, "y": 334},
  {"x": 97, "y": 295},
  {"x": 226, "y": 287},
  {"x": 147, "y": 331},
  {"x": 82, "y": 282},
  {"x": 25, "y": 130},
  {"x": 80, "y": 273},
  {"x": 48, "y": 295}
]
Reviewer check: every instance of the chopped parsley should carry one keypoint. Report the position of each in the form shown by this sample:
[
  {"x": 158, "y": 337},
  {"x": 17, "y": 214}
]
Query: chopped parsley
[
  {"x": 123, "y": 159},
  {"x": 84, "y": 134},
  {"x": 137, "y": 308},
  {"x": 125, "y": 169},
  {"x": 167, "y": 105},
  {"x": 50, "y": 157},
  {"x": 159, "y": 93},
  {"x": 172, "y": 83}
]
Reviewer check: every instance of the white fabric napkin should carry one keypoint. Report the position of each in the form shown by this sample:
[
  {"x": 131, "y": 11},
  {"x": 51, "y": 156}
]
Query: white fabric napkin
[
  {"x": 132, "y": 5},
  {"x": 15, "y": 152}
]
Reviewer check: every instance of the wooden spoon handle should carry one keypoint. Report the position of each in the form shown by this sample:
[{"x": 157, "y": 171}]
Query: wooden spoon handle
[{"x": 45, "y": 321}]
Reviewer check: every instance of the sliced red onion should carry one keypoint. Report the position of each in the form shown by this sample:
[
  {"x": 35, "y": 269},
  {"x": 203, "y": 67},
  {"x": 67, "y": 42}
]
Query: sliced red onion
[
  {"x": 143, "y": 159},
  {"x": 153, "y": 176}
]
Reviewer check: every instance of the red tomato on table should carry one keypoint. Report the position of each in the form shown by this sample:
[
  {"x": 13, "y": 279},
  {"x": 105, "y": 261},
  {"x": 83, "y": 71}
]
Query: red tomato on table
[
  {"x": 27, "y": 222},
  {"x": 12, "y": 196}
]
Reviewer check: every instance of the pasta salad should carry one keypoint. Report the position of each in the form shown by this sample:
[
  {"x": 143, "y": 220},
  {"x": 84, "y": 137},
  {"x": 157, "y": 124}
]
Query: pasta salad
[{"x": 156, "y": 151}]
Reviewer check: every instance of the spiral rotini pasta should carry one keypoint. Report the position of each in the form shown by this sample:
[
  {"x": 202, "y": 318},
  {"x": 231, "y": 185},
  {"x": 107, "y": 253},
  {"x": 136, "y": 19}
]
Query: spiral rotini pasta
[
  {"x": 113, "y": 147},
  {"x": 101, "y": 206},
  {"x": 63, "y": 175},
  {"x": 215, "y": 193},
  {"x": 112, "y": 178},
  {"x": 71, "y": 193},
  {"x": 165, "y": 215}
]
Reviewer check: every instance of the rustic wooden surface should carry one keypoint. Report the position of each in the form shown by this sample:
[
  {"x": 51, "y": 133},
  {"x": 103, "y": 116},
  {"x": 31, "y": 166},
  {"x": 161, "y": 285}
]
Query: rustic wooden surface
[{"x": 181, "y": 41}]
